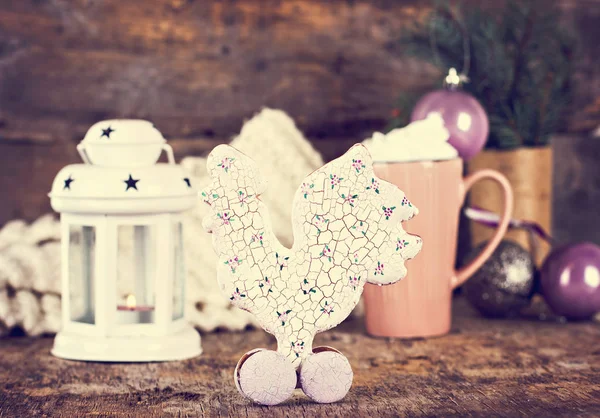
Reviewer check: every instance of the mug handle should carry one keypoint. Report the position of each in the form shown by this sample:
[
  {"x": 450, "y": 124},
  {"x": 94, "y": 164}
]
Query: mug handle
[{"x": 467, "y": 271}]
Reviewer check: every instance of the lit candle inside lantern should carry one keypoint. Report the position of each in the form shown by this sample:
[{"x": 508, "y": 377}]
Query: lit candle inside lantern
[{"x": 131, "y": 313}]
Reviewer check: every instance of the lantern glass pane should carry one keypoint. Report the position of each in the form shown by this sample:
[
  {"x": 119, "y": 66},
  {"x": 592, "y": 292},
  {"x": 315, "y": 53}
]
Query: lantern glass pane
[
  {"x": 178, "y": 273},
  {"x": 136, "y": 270},
  {"x": 82, "y": 247}
]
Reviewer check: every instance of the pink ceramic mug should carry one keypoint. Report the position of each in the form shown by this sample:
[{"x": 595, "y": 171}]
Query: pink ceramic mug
[{"x": 420, "y": 305}]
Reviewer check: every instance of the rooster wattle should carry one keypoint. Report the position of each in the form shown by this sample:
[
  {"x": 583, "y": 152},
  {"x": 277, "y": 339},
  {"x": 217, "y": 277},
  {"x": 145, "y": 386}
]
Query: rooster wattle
[{"x": 347, "y": 232}]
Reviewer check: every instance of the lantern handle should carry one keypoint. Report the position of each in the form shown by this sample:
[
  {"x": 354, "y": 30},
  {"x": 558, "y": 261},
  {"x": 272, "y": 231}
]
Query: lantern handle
[
  {"x": 167, "y": 148},
  {"x": 83, "y": 153}
]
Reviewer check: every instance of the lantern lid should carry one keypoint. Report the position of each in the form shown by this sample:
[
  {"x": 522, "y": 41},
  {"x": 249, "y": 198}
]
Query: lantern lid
[
  {"x": 123, "y": 131},
  {"x": 123, "y": 143},
  {"x": 120, "y": 174},
  {"x": 93, "y": 189}
]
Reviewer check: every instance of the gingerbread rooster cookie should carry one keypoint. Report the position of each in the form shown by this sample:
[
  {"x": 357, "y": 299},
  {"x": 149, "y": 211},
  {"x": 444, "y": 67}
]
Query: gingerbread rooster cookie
[{"x": 348, "y": 231}]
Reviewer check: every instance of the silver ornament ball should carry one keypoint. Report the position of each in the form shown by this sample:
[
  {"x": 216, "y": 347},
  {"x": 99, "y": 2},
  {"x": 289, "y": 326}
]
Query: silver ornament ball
[{"x": 504, "y": 284}]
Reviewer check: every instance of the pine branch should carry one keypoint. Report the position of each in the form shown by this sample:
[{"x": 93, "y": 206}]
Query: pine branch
[{"x": 520, "y": 67}]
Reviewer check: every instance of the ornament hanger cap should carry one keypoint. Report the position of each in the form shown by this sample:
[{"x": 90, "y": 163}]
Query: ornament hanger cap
[{"x": 455, "y": 80}]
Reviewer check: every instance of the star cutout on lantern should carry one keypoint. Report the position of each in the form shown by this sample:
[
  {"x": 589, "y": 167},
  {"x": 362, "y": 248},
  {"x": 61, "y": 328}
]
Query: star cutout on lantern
[
  {"x": 188, "y": 182},
  {"x": 106, "y": 132},
  {"x": 131, "y": 183},
  {"x": 68, "y": 183}
]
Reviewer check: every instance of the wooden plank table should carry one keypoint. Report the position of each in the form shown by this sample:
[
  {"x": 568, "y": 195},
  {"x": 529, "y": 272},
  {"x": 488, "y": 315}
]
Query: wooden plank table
[{"x": 483, "y": 368}]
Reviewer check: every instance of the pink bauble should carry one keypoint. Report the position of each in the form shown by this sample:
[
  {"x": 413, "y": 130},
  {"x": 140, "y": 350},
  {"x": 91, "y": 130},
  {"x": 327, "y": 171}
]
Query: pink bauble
[{"x": 464, "y": 117}]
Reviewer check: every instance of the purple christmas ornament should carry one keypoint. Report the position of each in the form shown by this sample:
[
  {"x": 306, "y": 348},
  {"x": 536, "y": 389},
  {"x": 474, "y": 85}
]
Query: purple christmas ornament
[
  {"x": 570, "y": 280},
  {"x": 464, "y": 117}
]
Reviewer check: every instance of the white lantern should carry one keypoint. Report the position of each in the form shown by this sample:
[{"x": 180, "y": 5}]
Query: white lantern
[{"x": 123, "y": 275}]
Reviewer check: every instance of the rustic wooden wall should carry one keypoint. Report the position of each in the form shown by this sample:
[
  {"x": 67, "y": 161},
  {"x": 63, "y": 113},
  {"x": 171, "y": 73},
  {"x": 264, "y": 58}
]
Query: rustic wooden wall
[
  {"x": 576, "y": 189},
  {"x": 199, "y": 68}
]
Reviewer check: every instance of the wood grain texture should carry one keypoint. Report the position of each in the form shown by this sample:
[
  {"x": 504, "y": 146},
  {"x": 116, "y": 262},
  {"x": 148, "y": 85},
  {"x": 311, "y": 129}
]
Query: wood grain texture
[
  {"x": 576, "y": 189},
  {"x": 484, "y": 368},
  {"x": 199, "y": 68}
]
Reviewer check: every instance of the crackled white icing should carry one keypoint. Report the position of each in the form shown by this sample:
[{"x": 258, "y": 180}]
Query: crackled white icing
[
  {"x": 267, "y": 378},
  {"x": 326, "y": 377},
  {"x": 286, "y": 161},
  {"x": 347, "y": 231}
]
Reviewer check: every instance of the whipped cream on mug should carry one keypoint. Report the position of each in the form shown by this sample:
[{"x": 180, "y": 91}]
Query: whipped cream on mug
[{"x": 423, "y": 140}]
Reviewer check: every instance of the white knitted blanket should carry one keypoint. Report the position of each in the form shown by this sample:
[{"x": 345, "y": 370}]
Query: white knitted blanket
[
  {"x": 30, "y": 276},
  {"x": 30, "y": 254}
]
